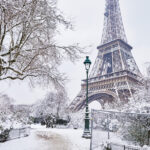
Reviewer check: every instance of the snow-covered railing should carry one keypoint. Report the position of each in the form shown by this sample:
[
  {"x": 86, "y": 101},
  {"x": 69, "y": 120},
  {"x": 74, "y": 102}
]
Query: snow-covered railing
[
  {"x": 113, "y": 75},
  {"x": 18, "y": 133},
  {"x": 115, "y": 146}
]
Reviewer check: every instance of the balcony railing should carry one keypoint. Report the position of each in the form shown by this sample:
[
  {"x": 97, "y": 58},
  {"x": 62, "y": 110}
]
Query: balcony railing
[{"x": 113, "y": 75}]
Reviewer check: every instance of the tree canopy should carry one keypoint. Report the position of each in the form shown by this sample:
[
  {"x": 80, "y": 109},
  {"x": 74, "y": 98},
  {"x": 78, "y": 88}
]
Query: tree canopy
[{"x": 27, "y": 45}]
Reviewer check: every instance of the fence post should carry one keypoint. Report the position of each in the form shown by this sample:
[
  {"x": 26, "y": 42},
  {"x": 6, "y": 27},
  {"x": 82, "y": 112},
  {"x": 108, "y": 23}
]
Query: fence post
[
  {"x": 19, "y": 133},
  {"x": 124, "y": 147},
  {"x": 108, "y": 127}
]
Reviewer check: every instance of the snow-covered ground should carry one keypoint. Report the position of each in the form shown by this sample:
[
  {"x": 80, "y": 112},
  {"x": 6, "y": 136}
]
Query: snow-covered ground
[{"x": 42, "y": 138}]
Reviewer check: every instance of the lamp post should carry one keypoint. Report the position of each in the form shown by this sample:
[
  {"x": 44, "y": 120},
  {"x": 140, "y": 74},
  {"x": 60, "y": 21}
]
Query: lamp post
[{"x": 87, "y": 133}]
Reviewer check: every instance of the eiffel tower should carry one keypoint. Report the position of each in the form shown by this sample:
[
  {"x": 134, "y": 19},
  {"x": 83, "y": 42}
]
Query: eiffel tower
[{"x": 115, "y": 75}]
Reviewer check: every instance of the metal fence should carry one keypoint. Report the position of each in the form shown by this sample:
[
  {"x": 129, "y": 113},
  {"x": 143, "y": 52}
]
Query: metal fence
[
  {"x": 18, "y": 133},
  {"x": 115, "y": 146},
  {"x": 106, "y": 126}
]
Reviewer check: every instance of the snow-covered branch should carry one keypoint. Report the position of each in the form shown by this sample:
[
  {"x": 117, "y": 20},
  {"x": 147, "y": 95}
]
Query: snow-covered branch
[{"x": 27, "y": 45}]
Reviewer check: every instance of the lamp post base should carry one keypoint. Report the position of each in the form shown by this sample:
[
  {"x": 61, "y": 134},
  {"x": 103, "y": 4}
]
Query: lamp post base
[{"x": 86, "y": 134}]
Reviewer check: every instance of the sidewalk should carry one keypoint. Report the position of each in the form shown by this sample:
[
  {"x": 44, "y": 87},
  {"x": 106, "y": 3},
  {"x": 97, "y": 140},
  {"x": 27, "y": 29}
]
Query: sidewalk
[{"x": 49, "y": 139}]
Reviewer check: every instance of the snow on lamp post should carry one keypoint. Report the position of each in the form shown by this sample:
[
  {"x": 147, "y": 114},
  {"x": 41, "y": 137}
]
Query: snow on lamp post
[{"x": 86, "y": 133}]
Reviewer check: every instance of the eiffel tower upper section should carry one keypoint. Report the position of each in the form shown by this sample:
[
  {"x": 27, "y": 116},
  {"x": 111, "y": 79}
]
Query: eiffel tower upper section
[
  {"x": 113, "y": 24},
  {"x": 114, "y": 52}
]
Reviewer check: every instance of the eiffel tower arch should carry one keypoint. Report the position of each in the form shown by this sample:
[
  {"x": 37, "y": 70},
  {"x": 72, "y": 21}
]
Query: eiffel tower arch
[
  {"x": 115, "y": 75},
  {"x": 101, "y": 96}
]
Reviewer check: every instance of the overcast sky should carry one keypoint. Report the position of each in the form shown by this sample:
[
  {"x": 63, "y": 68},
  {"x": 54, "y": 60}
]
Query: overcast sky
[{"x": 87, "y": 17}]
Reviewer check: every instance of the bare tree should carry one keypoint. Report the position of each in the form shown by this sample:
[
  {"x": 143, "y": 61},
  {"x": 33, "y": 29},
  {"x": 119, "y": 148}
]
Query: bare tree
[
  {"x": 27, "y": 45},
  {"x": 53, "y": 103}
]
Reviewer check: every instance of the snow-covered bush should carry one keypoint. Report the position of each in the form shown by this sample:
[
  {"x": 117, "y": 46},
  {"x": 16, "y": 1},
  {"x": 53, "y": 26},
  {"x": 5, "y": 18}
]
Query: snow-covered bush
[
  {"x": 145, "y": 147},
  {"x": 77, "y": 119},
  {"x": 12, "y": 116},
  {"x": 114, "y": 125},
  {"x": 137, "y": 131},
  {"x": 4, "y": 135}
]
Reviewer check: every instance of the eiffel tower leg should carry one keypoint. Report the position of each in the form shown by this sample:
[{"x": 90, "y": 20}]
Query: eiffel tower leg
[
  {"x": 130, "y": 90},
  {"x": 118, "y": 95},
  {"x": 116, "y": 90}
]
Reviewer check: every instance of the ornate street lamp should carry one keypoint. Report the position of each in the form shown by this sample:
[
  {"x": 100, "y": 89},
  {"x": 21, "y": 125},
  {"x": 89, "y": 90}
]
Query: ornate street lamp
[{"x": 87, "y": 133}]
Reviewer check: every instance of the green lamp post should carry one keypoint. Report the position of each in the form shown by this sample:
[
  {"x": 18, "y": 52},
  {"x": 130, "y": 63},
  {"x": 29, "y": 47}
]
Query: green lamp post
[{"x": 87, "y": 133}]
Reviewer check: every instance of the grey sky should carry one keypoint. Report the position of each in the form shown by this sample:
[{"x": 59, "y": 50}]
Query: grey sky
[{"x": 87, "y": 17}]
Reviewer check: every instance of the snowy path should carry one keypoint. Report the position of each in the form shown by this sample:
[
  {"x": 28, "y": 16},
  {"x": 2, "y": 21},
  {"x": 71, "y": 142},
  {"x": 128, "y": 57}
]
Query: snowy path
[{"x": 49, "y": 139}]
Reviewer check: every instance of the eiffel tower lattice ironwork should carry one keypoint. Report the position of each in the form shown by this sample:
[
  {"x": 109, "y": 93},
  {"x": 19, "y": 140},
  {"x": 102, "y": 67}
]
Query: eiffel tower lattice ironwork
[{"x": 115, "y": 75}]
